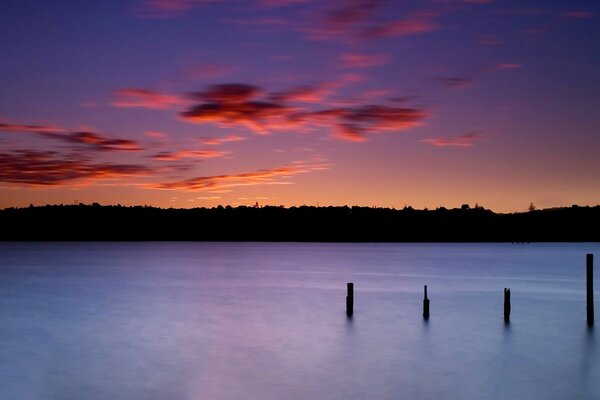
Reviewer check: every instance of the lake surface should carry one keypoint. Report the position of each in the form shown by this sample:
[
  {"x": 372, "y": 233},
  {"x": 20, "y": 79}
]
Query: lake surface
[{"x": 231, "y": 321}]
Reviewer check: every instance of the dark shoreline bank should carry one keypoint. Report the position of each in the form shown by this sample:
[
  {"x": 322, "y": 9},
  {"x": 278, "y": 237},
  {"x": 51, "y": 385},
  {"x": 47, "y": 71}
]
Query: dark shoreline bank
[{"x": 297, "y": 224}]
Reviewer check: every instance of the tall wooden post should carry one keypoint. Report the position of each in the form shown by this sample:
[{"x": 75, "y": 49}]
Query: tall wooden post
[
  {"x": 425, "y": 303},
  {"x": 506, "y": 305},
  {"x": 590, "y": 289},
  {"x": 350, "y": 299}
]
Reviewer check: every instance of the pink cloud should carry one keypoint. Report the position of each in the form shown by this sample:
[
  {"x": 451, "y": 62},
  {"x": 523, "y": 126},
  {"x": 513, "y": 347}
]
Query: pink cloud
[
  {"x": 144, "y": 98},
  {"x": 305, "y": 94},
  {"x": 357, "y": 60},
  {"x": 465, "y": 140}
]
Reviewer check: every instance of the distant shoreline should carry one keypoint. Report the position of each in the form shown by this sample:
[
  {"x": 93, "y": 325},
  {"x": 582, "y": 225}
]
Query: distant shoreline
[{"x": 297, "y": 224}]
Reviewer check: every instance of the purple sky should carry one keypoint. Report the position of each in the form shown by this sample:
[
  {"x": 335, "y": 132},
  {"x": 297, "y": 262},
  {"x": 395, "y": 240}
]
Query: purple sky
[{"x": 189, "y": 103}]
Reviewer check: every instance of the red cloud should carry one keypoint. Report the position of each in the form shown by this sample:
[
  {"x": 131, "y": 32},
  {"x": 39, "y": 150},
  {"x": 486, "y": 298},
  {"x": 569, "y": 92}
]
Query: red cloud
[
  {"x": 144, "y": 98},
  {"x": 219, "y": 183},
  {"x": 238, "y": 104},
  {"x": 235, "y": 104},
  {"x": 465, "y": 140},
  {"x": 48, "y": 168}
]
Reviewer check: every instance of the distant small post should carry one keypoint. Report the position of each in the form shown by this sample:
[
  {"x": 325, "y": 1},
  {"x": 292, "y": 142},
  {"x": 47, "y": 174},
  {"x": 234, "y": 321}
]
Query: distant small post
[
  {"x": 590, "y": 289},
  {"x": 506, "y": 305},
  {"x": 425, "y": 303},
  {"x": 350, "y": 299}
]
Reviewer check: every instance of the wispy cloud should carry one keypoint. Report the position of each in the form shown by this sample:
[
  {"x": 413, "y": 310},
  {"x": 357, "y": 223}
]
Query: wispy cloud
[
  {"x": 403, "y": 27},
  {"x": 505, "y": 66},
  {"x": 49, "y": 168},
  {"x": 158, "y": 9},
  {"x": 366, "y": 19},
  {"x": 305, "y": 94},
  {"x": 464, "y": 140},
  {"x": 221, "y": 140},
  {"x": 217, "y": 183},
  {"x": 95, "y": 141},
  {"x": 453, "y": 82},
  {"x": 144, "y": 98},
  {"x": 178, "y": 155},
  {"x": 91, "y": 140},
  {"x": 579, "y": 14},
  {"x": 19, "y": 128},
  {"x": 208, "y": 71},
  {"x": 358, "y": 60}
]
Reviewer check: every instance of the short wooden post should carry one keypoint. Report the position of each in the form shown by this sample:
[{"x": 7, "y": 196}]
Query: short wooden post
[
  {"x": 350, "y": 299},
  {"x": 590, "y": 289},
  {"x": 425, "y": 304},
  {"x": 506, "y": 305}
]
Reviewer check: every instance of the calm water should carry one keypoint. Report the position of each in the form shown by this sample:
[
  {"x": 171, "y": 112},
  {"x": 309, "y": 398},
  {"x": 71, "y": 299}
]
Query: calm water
[{"x": 175, "y": 321}]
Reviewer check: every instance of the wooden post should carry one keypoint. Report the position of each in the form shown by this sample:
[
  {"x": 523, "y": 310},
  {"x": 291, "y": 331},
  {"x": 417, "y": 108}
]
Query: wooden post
[
  {"x": 590, "y": 289},
  {"x": 506, "y": 305},
  {"x": 425, "y": 304},
  {"x": 350, "y": 299}
]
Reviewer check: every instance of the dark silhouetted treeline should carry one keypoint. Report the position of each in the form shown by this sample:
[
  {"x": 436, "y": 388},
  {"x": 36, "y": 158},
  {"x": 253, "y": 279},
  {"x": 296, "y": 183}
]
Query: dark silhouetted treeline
[{"x": 335, "y": 224}]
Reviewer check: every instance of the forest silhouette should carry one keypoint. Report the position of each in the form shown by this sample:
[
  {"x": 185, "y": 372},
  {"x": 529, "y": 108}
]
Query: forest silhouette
[{"x": 306, "y": 224}]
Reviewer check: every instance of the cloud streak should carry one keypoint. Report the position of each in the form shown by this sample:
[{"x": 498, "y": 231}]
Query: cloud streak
[
  {"x": 465, "y": 140},
  {"x": 49, "y": 168},
  {"x": 217, "y": 183},
  {"x": 144, "y": 98},
  {"x": 88, "y": 139},
  {"x": 201, "y": 154}
]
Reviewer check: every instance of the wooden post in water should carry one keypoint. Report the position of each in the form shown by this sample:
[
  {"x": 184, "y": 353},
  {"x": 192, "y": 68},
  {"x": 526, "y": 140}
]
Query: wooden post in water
[
  {"x": 425, "y": 304},
  {"x": 350, "y": 299},
  {"x": 590, "y": 289},
  {"x": 506, "y": 305}
]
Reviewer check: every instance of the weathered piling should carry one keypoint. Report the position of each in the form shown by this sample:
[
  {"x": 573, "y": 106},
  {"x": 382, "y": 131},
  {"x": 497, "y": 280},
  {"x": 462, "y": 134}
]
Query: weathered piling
[
  {"x": 506, "y": 305},
  {"x": 350, "y": 299},
  {"x": 590, "y": 289},
  {"x": 425, "y": 304}
]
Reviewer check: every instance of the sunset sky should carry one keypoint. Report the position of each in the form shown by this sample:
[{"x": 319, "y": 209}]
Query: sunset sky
[{"x": 196, "y": 103}]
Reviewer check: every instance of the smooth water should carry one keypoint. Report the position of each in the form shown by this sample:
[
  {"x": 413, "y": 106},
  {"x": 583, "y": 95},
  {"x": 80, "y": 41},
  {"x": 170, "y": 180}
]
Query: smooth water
[{"x": 179, "y": 321}]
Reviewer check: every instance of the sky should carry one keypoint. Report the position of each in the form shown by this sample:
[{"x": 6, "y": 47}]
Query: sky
[{"x": 387, "y": 103}]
